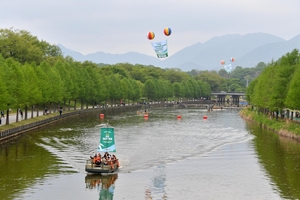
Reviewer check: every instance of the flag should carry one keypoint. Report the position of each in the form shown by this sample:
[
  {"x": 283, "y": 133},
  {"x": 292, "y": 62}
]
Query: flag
[{"x": 160, "y": 48}]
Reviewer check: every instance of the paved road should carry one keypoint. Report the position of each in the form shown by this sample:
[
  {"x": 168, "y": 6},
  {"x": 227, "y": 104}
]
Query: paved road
[{"x": 12, "y": 117}]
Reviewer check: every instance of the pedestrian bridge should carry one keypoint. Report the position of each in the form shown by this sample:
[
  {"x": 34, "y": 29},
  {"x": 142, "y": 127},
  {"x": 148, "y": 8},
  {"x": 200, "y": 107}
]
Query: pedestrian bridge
[{"x": 233, "y": 98}]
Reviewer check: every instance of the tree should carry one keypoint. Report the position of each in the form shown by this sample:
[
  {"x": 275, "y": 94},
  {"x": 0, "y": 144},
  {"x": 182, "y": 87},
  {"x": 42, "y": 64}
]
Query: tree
[
  {"x": 55, "y": 83},
  {"x": 178, "y": 91},
  {"x": 66, "y": 81},
  {"x": 175, "y": 75},
  {"x": 223, "y": 73},
  {"x": 137, "y": 87},
  {"x": 149, "y": 89},
  {"x": 263, "y": 88},
  {"x": 250, "y": 91},
  {"x": 23, "y": 47},
  {"x": 293, "y": 95},
  {"x": 17, "y": 91},
  {"x": 213, "y": 79},
  {"x": 115, "y": 91},
  {"x": 126, "y": 89},
  {"x": 31, "y": 88},
  {"x": 3, "y": 85}
]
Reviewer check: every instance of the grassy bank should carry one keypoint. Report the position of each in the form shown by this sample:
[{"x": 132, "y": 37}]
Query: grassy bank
[
  {"x": 285, "y": 128},
  {"x": 27, "y": 121}
]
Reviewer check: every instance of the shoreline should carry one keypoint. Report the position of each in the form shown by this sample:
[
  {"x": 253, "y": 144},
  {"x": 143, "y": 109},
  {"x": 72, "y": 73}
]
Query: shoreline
[
  {"x": 282, "y": 131},
  {"x": 16, "y": 129}
]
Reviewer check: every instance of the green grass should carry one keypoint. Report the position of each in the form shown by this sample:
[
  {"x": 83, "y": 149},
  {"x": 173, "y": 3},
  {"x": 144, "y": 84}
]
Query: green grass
[
  {"x": 271, "y": 123},
  {"x": 28, "y": 121}
]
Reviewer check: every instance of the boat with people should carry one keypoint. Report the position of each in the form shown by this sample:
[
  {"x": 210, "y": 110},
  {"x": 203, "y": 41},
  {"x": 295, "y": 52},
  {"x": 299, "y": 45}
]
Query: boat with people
[{"x": 106, "y": 163}]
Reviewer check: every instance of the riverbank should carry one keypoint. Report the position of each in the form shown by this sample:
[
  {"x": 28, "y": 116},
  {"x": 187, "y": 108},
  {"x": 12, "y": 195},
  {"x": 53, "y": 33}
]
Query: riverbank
[
  {"x": 285, "y": 128},
  {"x": 15, "y": 129}
]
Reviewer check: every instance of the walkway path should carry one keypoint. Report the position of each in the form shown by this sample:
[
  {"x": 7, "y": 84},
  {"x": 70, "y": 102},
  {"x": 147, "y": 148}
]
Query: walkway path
[{"x": 13, "y": 117}]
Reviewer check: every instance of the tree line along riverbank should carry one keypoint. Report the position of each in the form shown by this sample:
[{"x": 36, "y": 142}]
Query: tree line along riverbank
[{"x": 284, "y": 127}]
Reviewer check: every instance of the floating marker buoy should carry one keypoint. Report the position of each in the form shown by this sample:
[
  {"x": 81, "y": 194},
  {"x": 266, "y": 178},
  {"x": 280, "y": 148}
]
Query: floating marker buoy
[
  {"x": 204, "y": 117},
  {"x": 101, "y": 116},
  {"x": 178, "y": 116}
]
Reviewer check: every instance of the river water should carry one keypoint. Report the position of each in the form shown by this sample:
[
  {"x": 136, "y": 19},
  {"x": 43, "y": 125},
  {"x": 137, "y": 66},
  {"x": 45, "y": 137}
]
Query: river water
[{"x": 162, "y": 157}]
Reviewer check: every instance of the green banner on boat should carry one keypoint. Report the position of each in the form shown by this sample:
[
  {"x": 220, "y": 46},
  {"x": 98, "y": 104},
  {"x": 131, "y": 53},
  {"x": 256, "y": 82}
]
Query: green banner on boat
[{"x": 107, "y": 140}]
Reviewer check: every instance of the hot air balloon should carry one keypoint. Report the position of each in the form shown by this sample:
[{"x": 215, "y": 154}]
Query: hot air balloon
[
  {"x": 232, "y": 59},
  {"x": 167, "y": 31},
  {"x": 150, "y": 35},
  {"x": 222, "y": 62}
]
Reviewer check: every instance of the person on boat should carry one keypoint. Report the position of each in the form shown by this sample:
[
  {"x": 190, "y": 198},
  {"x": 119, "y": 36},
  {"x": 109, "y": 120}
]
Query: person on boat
[
  {"x": 109, "y": 162},
  {"x": 115, "y": 160},
  {"x": 106, "y": 155},
  {"x": 98, "y": 159},
  {"x": 93, "y": 158},
  {"x": 104, "y": 161}
]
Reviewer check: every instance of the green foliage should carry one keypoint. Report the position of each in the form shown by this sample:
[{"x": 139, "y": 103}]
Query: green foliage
[
  {"x": 23, "y": 47},
  {"x": 175, "y": 76},
  {"x": 275, "y": 125},
  {"x": 3, "y": 85},
  {"x": 293, "y": 95},
  {"x": 213, "y": 79},
  {"x": 150, "y": 89},
  {"x": 277, "y": 87},
  {"x": 178, "y": 90},
  {"x": 249, "y": 92}
]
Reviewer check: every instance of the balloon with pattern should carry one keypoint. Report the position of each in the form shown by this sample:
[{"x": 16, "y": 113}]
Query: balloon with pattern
[
  {"x": 150, "y": 35},
  {"x": 222, "y": 62},
  {"x": 167, "y": 31},
  {"x": 232, "y": 59}
]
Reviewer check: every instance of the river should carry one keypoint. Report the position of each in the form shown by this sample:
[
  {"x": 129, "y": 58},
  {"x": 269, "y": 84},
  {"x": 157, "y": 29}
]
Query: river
[{"x": 162, "y": 157}]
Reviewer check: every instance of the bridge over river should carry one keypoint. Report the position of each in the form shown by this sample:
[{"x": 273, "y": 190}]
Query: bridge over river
[
  {"x": 223, "y": 99},
  {"x": 233, "y": 98}
]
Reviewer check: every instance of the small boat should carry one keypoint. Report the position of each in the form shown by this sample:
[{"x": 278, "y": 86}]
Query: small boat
[{"x": 107, "y": 144}]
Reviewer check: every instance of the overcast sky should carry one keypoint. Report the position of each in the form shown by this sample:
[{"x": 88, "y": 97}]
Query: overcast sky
[{"x": 120, "y": 26}]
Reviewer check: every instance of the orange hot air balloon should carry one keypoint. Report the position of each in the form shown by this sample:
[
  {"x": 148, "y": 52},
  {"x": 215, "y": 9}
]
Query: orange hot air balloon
[
  {"x": 222, "y": 62},
  {"x": 150, "y": 35}
]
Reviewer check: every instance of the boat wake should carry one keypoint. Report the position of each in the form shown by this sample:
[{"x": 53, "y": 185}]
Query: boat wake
[{"x": 70, "y": 159}]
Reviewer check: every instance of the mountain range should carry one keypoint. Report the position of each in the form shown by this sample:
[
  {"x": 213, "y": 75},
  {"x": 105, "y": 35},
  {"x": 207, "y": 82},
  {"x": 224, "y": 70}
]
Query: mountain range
[{"x": 248, "y": 50}]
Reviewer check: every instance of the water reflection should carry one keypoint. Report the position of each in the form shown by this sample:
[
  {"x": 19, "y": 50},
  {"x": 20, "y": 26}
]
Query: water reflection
[
  {"x": 280, "y": 157},
  {"x": 104, "y": 184},
  {"x": 156, "y": 189}
]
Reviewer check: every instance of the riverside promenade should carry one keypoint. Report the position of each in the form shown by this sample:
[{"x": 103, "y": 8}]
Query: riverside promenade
[
  {"x": 13, "y": 117},
  {"x": 14, "y": 129}
]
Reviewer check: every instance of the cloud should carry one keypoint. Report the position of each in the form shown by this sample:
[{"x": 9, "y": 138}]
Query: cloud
[{"x": 119, "y": 26}]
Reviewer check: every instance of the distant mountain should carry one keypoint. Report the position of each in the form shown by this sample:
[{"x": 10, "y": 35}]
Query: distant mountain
[
  {"x": 101, "y": 57},
  {"x": 248, "y": 50}
]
